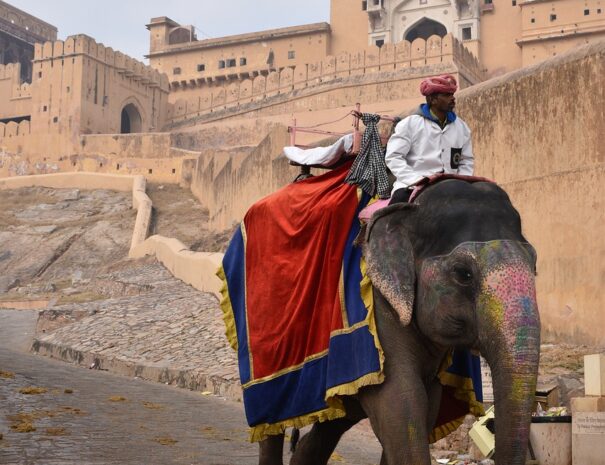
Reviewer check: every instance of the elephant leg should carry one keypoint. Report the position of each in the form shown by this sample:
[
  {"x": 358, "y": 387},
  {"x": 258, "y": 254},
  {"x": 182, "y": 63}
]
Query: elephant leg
[
  {"x": 316, "y": 447},
  {"x": 271, "y": 450},
  {"x": 399, "y": 420},
  {"x": 434, "y": 402}
]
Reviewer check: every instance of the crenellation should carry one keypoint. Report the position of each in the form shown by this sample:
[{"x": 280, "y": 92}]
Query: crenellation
[
  {"x": 418, "y": 48},
  {"x": 314, "y": 73},
  {"x": 434, "y": 53},
  {"x": 58, "y": 49},
  {"x": 81, "y": 44},
  {"x": 372, "y": 60},
  {"x": 300, "y": 76},
  {"x": 110, "y": 57},
  {"x": 11, "y": 129},
  {"x": 23, "y": 128},
  {"x": 22, "y": 91},
  {"x": 38, "y": 51},
  {"x": 387, "y": 57},
  {"x": 120, "y": 61},
  {"x": 258, "y": 87},
  {"x": 245, "y": 93},
  {"x": 403, "y": 54},
  {"x": 69, "y": 46},
  {"x": 47, "y": 50},
  {"x": 6, "y": 71},
  {"x": 286, "y": 80},
  {"x": 100, "y": 53},
  {"x": 328, "y": 68},
  {"x": 357, "y": 63},
  {"x": 343, "y": 64},
  {"x": 447, "y": 47},
  {"x": 219, "y": 97},
  {"x": 272, "y": 84},
  {"x": 232, "y": 93}
]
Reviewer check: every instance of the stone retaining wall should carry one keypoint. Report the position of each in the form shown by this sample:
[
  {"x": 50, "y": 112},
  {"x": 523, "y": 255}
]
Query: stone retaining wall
[{"x": 194, "y": 268}]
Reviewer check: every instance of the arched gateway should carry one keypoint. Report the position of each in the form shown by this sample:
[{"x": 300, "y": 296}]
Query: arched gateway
[
  {"x": 424, "y": 29},
  {"x": 131, "y": 120}
]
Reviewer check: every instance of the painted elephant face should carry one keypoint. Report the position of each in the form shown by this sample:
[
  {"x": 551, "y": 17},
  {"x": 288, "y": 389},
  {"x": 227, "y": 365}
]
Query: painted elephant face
[{"x": 489, "y": 282}]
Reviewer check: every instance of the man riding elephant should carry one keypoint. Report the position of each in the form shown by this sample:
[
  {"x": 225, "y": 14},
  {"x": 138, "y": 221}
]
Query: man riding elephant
[
  {"x": 430, "y": 141},
  {"x": 334, "y": 321}
]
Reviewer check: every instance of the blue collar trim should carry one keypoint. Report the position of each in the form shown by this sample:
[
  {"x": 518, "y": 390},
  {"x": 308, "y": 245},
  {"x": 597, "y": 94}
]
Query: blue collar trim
[{"x": 426, "y": 112}]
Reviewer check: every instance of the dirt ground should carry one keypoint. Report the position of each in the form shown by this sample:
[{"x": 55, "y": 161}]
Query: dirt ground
[{"x": 177, "y": 213}]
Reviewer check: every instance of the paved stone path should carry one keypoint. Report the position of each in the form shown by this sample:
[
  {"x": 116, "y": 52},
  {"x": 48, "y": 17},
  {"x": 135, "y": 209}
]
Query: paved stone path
[
  {"x": 162, "y": 329},
  {"x": 98, "y": 418}
]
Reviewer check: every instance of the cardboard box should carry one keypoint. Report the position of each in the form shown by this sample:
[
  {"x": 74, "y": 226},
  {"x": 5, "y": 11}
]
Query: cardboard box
[
  {"x": 547, "y": 395},
  {"x": 594, "y": 375}
]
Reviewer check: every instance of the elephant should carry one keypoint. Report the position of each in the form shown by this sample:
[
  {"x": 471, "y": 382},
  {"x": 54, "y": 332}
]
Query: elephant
[{"x": 450, "y": 270}]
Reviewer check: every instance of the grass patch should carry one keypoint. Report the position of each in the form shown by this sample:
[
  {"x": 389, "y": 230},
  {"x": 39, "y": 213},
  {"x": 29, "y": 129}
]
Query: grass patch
[
  {"x": 117, "y": 399},
  {"x": 6, "y": 374},
  {"x": 56, "y": 432},
  {"x": 165, "y": 441},
  {"x": 80, "y": 298},
  {"x": 23, "y": 427},
  {"x": 32, "y": 390},
  {"x": 73, "y": 411},
  {"x": 24, "y": 422},
  {"x": 68, "y": 391},
  {"x": 152, "y": 406}
]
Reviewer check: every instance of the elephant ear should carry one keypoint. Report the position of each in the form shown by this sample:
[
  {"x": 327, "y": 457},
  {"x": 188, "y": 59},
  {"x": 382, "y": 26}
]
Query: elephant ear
[{"x": 390, "y": 259}]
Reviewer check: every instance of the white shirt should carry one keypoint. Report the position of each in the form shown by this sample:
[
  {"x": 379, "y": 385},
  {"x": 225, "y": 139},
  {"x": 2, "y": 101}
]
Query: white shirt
[{"x": 420, "y": 148}]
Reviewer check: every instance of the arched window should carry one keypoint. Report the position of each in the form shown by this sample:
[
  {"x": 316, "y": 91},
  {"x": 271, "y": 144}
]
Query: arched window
[
  {"x": 424, "y": 29},
  {"x": 180, "y": 35},
  {"x": 131, "y": 120}
]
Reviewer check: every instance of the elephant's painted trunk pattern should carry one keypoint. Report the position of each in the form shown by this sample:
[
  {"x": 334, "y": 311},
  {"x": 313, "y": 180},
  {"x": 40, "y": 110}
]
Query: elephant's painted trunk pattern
[{"x": 509, "y": 339}]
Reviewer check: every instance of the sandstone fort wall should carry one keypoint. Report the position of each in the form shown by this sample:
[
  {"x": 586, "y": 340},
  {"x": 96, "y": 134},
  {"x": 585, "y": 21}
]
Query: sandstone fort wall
[
  {"x": 194, "y": 98},
  {"x": 539, "y": 133}
]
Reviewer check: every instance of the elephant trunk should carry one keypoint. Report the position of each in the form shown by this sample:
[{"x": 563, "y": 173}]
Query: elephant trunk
[{"x": 509, "y": 339}]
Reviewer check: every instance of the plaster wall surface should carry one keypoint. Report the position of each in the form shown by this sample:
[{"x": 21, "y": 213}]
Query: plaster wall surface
[
  {"x": 176, "y": 51},
  {"x": 349, "y": 24},
  {"x": 552, "y": 164}
]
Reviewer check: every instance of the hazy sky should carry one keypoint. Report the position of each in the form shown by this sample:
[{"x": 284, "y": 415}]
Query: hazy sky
[{"x": 120, "y": 24}]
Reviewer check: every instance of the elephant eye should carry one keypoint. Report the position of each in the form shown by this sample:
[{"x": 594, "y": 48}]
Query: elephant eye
[{"x": 462, "y": 275}]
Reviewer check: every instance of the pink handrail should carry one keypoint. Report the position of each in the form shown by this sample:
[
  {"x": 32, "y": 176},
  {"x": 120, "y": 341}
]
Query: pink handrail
[{"x": 294, "y": 129}]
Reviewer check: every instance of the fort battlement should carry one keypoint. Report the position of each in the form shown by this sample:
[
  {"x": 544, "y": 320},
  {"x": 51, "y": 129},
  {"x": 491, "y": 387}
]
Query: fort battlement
[
  {"x": 17, "y": 94},
  {"x": 194, "y": 97},
  {"x": 13, "y": 129},
  {"x": 84, "y": 45}
]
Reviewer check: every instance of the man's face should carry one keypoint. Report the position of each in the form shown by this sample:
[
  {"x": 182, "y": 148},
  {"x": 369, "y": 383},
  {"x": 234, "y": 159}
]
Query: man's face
[{"x": 443, "y": 102}]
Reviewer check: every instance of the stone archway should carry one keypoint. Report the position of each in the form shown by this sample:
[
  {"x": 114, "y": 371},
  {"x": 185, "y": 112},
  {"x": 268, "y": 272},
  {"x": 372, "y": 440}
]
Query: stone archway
[
  {"x": 424, "y": 29},
  {"x": 131, "y": 120}
]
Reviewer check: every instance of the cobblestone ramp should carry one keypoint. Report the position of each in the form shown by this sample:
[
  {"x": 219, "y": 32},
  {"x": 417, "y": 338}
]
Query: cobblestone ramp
[{"x": 164, "y": 331}]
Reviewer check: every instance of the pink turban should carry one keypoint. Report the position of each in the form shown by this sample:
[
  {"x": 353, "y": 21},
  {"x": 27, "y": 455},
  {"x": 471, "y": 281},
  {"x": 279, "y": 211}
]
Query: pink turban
[{"x": 445, "y": 84}]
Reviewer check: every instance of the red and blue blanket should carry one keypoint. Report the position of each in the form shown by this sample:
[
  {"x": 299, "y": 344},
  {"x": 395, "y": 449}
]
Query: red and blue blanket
[{"x": 298, "y": 310}]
